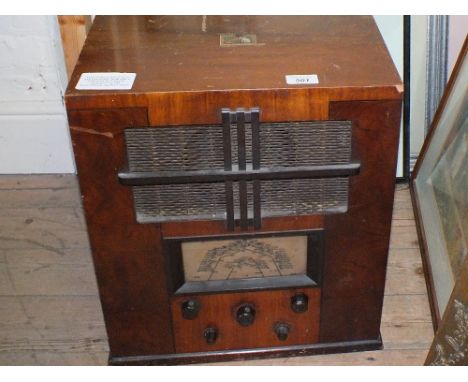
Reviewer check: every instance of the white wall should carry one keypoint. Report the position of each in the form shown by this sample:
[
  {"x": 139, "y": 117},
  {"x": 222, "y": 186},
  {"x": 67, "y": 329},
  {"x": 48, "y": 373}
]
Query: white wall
[
  {"x": 391, "y": 29},
  {"x": 34, "y": 134},
  {"x": 458, "y": 28},
  {"x": 419, "y": 25}
]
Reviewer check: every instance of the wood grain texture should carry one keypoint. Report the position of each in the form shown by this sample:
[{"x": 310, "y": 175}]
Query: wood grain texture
[
  {"x": 53, "y": 358},
  {"x": 73, "y": 30},
  {"x": 30, "y": 335},
  {"x": 56, "y": 241},
  {"x": 347, "y": 54},
  {"x": 40, "y": 271},
  {"x": 129, "y": 267},
  {"x": 356, "y": 257},
  {"x": 404, "y": 270},
  {"x": 216, "y": 227},
  {"x": 58, "y": 323},
  {"x": 398, "y": 357},
  {"x": 43, "y": 197},
  {"x": 177, "y": 85},
  {"x": 27, "y": 182},
  {"x": 352, "y": 306},
  {"x": 270, "y": 309}
]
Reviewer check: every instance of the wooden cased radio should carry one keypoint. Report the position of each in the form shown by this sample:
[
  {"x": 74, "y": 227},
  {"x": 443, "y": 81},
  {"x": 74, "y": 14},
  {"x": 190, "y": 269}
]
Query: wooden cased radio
[{"x": 238, "y": 197}]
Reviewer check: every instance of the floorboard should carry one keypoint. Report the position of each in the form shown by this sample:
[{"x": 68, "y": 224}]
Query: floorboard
[{"x": 49, "y": 305}]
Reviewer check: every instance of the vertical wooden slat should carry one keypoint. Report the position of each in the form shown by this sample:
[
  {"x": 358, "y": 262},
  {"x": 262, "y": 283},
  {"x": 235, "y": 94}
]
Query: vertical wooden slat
[
  {"x": 226, "y": 117},
  {"x": 73, "y": 30},
  {"x": 241, "y": 161},
  {"x": 257, "y": 208}
]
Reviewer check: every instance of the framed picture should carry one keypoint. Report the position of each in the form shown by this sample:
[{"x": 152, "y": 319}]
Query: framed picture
[
  {"x": 450, "y": 345},
  {"x": 439, "y": 189}
]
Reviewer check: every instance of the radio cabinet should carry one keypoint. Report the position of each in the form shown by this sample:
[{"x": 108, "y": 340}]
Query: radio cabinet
[{"x": 239, "y": 196}]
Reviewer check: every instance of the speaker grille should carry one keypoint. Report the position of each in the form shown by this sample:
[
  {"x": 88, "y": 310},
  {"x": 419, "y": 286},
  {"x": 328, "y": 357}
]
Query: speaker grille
[
  {"x": 174, "y": 148},
  {"x": 195, "y": 201},
  {"x": 287, "y": 197},
  {"x": 184, "y": 148},
  {"x": 305, "y": 143}
]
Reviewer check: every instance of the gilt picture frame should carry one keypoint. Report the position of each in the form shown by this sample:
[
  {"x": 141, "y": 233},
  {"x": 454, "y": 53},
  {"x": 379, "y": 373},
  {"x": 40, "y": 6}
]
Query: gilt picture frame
[
  {"x": 439, "y": 185},
  {"x": 450, "y": 344}
]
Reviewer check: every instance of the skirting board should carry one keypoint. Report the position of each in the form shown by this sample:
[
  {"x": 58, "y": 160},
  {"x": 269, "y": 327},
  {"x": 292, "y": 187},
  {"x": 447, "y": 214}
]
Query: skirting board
[{"x": 35, "y": 144}]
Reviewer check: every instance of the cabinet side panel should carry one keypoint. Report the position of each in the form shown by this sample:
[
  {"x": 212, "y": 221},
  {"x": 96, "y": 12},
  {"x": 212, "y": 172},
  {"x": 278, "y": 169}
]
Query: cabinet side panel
[
  {"x": 128, "y": 263},
  {"x": 357, "y": 242}
]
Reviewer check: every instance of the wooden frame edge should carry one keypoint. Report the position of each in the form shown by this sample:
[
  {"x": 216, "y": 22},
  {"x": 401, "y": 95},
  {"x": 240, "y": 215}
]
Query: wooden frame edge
[
  {"x": 73, "y": 31},
  {"x": 427, "y": 269},
  {"x": 436, "y": 314},
  {"x": 248, "y": 354}
]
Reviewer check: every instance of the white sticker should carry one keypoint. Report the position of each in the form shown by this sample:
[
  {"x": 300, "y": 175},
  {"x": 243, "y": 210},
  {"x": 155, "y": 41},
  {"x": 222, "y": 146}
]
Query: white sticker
[
  {"x": 302, "y": 79},
  {"x": 106, "y": 81}
]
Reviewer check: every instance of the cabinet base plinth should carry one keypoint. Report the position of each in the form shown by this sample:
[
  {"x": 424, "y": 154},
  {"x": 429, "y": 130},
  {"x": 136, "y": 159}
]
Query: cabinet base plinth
[{"x": 249, "y": 354}]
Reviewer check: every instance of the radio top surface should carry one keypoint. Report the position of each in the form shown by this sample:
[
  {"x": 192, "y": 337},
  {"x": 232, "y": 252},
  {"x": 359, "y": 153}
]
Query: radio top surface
[{"x": 339, "y": 57}]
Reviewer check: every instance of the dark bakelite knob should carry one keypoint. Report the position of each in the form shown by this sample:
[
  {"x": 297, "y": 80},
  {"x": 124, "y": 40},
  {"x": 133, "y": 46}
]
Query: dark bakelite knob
[
  {"x": 190, "y": 309},
  {"x": 211, "y": 335},
  {"x": 282, "y": 331},
  {"x": 245, "y": 315},
  {"x": 299, "y": 303}
]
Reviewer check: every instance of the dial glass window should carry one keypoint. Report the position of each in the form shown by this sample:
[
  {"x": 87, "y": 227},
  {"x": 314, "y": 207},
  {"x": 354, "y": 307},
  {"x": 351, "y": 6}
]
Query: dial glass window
[{"x": 262, "y": 257}]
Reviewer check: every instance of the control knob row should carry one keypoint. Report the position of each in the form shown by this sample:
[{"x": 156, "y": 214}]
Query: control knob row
[
  {"x": 245, "y": 314},
  {"x": 281, "y": 330}
]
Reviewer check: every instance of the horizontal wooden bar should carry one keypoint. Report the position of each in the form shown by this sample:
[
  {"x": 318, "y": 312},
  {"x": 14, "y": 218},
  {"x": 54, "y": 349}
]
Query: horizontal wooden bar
[
  {"x": 245, "y": 354},
  {"x": 212, "y": 176},
  {"x": 253, "y": 284}
]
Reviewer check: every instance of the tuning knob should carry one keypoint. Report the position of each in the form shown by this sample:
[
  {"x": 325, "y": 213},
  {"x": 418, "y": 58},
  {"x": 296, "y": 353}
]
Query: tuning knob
[
  {"x": 211, "y": 335},
  {"x": 245, "y": 315},
  {"x": 190, "y": 309},
  {"x": 282, "y": 331},
  {"x": 299, "y": 303}
]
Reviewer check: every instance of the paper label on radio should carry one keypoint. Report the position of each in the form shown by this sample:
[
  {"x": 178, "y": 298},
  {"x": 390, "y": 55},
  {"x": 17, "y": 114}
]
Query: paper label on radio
[
  {"x": 106, "y": 81},
  {"x": 302, "y": 79}
]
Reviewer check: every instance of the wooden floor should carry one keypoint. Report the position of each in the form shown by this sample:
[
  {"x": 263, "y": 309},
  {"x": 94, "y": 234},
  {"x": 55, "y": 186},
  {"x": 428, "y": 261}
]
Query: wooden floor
[{"x": 49, "y": 307}]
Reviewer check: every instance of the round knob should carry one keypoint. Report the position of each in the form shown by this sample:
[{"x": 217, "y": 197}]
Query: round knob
[
  {"x": 190, "y": 309},
  {"x": 299, "y": 303},
  {"x": 245, "y": 315},
  {"x": 211, "y": 335},
  {"x": 282, "y": 331}
]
